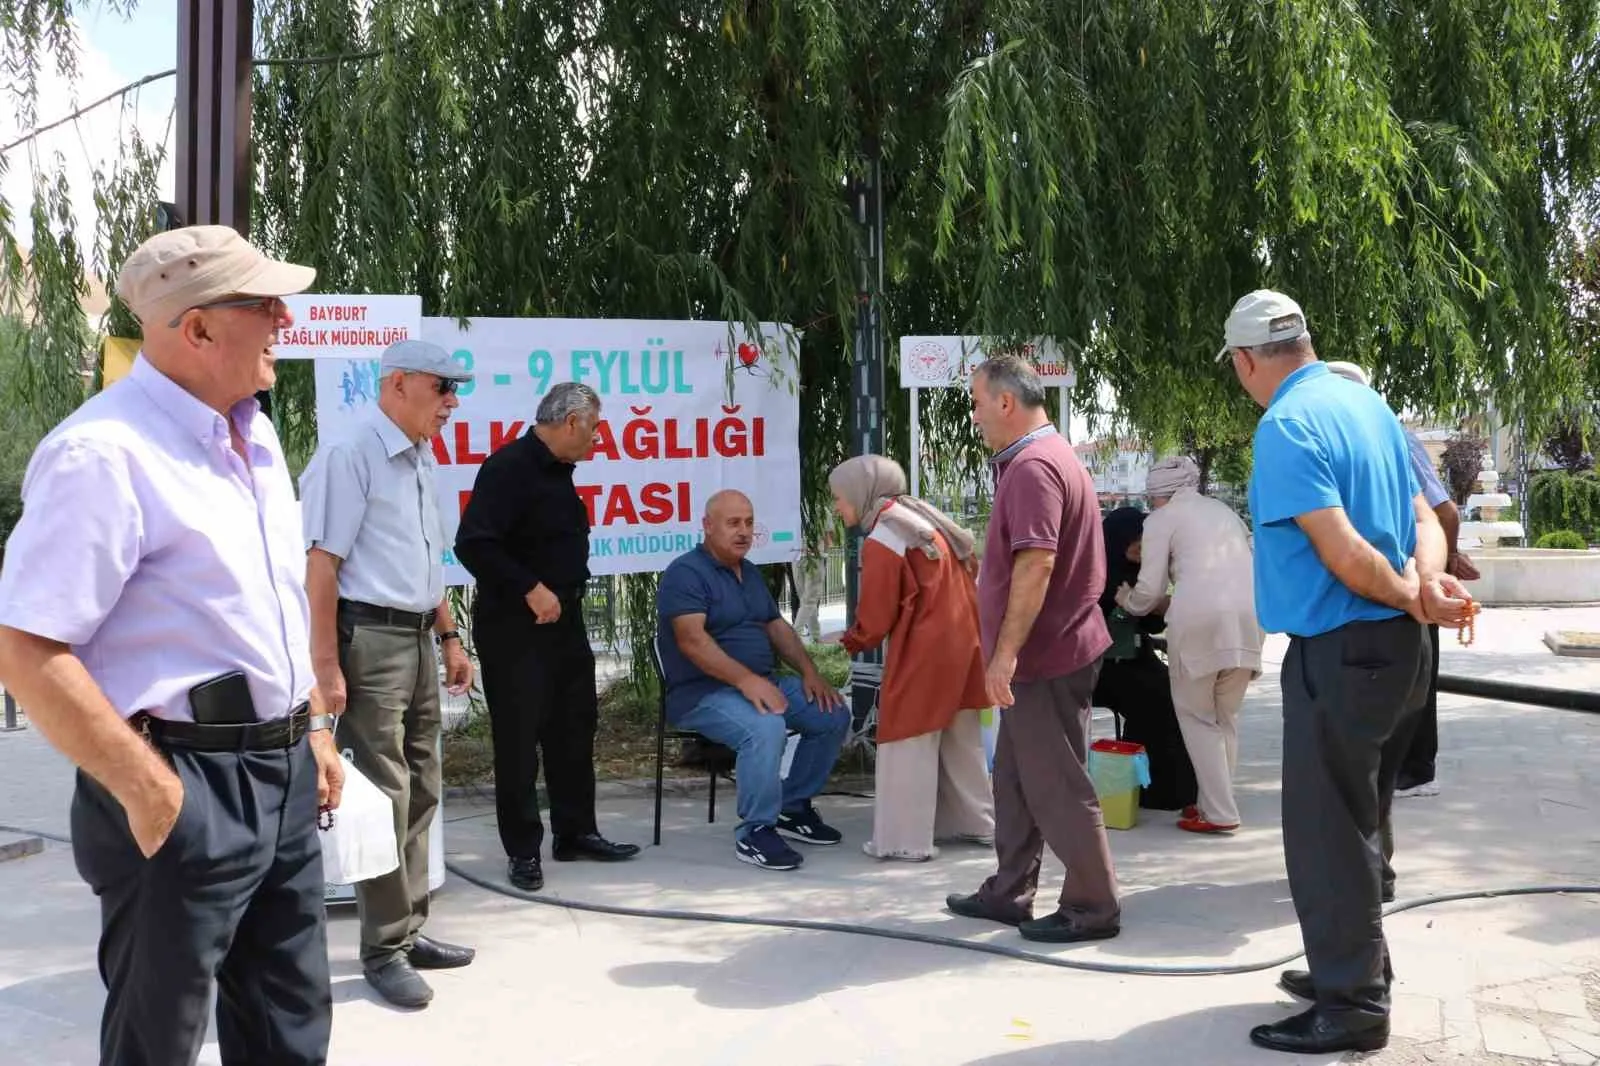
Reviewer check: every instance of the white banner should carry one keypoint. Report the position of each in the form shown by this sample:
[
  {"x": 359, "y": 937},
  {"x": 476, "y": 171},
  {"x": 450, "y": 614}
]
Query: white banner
[
  {"x": 347, "y": 327},
  {"x": 671, "y": 433},
  {"x": 937, "y": 362}
]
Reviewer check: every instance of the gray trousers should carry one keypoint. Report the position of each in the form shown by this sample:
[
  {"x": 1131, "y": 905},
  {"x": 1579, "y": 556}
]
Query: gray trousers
[
  {"x": 1348, "y": 697},
  {"x": 1043, "y": 795},
  {"x": 391, "y": 727}
]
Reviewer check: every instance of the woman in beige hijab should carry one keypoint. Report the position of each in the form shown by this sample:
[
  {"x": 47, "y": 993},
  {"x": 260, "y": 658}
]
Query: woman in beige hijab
[
  {"x": 917, "y": 592},
  {"x": 1213, "y": 639}
]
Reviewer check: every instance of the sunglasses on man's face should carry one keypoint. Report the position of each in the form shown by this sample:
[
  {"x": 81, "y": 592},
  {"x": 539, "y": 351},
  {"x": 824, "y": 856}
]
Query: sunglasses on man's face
[
  {"x": 267, "y": 304},
  {"x": 446, "y": 386}
]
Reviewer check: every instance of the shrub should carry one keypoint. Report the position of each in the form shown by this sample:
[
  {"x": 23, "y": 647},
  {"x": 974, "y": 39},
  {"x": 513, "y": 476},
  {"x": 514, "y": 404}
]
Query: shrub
[
  {"x": 1558, "y": 500},
  {"x": 1563, "y": 538}
]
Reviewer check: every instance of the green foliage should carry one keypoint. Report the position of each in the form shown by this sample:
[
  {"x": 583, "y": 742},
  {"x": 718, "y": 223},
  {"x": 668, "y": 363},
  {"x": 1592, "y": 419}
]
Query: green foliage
[
  {"x": 1560, "y": 501},
  {"x": 23, "y": 425},
  {"x": 1564, "y": 539},
  {"x": 832, "y": 663},
  {"x": 1113, "y": 175}
]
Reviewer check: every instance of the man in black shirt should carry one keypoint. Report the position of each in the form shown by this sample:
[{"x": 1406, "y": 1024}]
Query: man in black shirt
[{"x": 525, "y": 538}]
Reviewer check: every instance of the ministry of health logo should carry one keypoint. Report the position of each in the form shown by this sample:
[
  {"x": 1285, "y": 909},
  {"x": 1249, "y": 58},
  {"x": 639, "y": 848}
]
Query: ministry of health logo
[{"x": 930, "y": 362}]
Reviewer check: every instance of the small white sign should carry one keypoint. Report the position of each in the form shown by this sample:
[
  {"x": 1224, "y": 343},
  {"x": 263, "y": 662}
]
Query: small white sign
[
  {"x": 347, "y": 327},
  {"x": 939, "y": 362}
]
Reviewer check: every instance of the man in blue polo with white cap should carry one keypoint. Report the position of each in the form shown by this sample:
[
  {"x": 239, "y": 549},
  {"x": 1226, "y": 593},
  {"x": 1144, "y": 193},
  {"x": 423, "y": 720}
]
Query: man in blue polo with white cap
[
  {"x": 1350, "y": 562},
  {"x": 375, "y": 579}
]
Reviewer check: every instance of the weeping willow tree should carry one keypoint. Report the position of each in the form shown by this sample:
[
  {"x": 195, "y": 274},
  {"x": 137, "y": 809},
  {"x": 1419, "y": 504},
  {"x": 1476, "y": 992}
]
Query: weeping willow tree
[{"x": 1114, "y": 175}]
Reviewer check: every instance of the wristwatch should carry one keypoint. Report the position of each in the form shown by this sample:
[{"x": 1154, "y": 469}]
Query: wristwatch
[
  {"x": 449, "y": 634},
  {"x": 320, "y": 721}
]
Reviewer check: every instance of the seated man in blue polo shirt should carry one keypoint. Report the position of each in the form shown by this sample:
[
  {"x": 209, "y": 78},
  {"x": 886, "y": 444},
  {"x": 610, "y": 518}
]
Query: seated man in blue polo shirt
[{"x": 719, "y": 629}]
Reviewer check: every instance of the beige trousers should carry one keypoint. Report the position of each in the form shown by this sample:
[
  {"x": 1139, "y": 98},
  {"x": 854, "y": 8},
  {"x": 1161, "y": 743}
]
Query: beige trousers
[
  {"x": 1208, "y": 715},
  {"x": 934, "y": 785}
]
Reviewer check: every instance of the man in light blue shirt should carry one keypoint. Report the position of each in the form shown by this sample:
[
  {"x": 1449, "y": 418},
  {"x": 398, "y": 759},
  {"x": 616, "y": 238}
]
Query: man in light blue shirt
[
  {"x": 1417, "y": 766},
  {"x": 375, "y": 578},
  {"x": 1349, "y": 561}
]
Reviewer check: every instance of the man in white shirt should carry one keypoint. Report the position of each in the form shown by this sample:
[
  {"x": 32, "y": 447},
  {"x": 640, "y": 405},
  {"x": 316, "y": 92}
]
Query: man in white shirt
[{"x": 153, "y": 624}]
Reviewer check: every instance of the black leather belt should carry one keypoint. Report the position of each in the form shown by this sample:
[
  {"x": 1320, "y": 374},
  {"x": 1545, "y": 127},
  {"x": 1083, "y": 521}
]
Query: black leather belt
[
  {"x": 389, "y": 616},
  {"x": 245, "y": 736}
]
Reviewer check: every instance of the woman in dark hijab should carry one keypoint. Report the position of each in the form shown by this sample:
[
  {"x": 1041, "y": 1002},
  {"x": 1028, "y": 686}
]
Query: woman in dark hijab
[{"x": 1133, "y": 680}]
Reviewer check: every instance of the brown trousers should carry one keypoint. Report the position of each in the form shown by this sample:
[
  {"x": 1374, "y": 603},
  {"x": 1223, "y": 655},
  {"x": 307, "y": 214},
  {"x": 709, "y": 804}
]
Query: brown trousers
[{"x": 1043, "y": 795}]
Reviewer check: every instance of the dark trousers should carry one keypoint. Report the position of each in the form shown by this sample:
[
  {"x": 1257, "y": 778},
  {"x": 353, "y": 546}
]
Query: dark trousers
[
  {"x": 539, "y": 683},
  {"x": 1043, "y": 795},
  {"x": 391, "y": 726},
  {"x": 1348, "y": 696},
  {"x": 1417, "y": 767},
  {"x": 232, "y": 901}
]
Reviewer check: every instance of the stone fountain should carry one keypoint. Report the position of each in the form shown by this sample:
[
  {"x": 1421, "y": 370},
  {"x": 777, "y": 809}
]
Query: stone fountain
[
  {"x": 1488, "y": 502},
  {"x": 1521, "y": 575}
]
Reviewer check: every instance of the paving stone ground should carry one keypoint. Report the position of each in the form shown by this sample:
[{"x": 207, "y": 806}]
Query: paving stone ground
[{"x": 1508, "y": 980}]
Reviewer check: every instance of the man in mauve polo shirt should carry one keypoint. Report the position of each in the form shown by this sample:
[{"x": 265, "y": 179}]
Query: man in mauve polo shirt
[{"x": 1043, "y": 636}]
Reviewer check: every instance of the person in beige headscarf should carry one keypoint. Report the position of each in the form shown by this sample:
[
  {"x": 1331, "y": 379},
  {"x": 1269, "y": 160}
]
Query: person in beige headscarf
[
  {"x": 1213, "y": 639},
  {"x": 917, "y": 591}
]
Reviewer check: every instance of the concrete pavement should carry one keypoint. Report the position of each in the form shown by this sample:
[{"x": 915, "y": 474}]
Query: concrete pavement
[{"x": 1508, "y": 980}]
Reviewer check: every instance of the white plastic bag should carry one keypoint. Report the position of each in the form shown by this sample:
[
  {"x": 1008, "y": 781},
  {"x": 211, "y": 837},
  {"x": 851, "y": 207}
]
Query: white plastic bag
[{"x": 361, "y": 844}]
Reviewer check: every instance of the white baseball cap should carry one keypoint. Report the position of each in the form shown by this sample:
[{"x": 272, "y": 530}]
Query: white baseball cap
[{"x": 1262, "y": 317}]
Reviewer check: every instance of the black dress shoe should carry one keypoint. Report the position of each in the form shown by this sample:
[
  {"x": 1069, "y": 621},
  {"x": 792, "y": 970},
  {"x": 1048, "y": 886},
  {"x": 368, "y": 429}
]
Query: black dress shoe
[
  {"x": 1315, "y": 1033},
  {"x": 973, "y": 907},
  {"x": 592, "y": 846},
  {"x": 1064, "y": 927},
  {"x": 1298, "y": 982},
  {"x": 430, "y": 954},
  {"x": 399, "y": 983},
  {"x": 526, "y": 874}
]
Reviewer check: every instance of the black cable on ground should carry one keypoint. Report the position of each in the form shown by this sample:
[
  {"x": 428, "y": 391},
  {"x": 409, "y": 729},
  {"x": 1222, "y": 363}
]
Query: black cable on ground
[
  {"x": 1561, "y": 699},
  {"x": 1003, "y": 951}
]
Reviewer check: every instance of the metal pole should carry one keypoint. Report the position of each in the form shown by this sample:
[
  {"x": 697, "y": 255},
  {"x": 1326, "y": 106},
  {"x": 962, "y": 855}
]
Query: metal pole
[
  {"x": 866, "y": 387},
  {"x": 213, "y": 150},
  {"x": 215, "y": 56},
  {"x": 916, "y": 444}
]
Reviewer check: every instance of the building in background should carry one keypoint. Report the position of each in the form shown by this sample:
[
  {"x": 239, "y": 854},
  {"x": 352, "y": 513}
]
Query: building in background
[{"x": 1118, "y": 466}]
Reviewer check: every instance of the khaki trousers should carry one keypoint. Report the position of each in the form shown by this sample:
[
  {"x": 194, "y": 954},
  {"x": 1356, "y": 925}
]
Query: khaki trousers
[
  {"x": 391, "y": 726},
  {"x": 931, "y": 787},
  {"x": 1043, "y": 795},
  {"x": 1208, "y": 715}
]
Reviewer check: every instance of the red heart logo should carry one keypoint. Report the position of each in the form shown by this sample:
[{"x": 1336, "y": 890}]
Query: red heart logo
[{"x": 748, "y": 354}]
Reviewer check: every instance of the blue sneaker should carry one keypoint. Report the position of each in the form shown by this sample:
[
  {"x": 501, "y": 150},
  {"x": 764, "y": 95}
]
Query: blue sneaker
[
  {"x": 766, "y": 849},
  {"x": 807, "y": 826}
]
